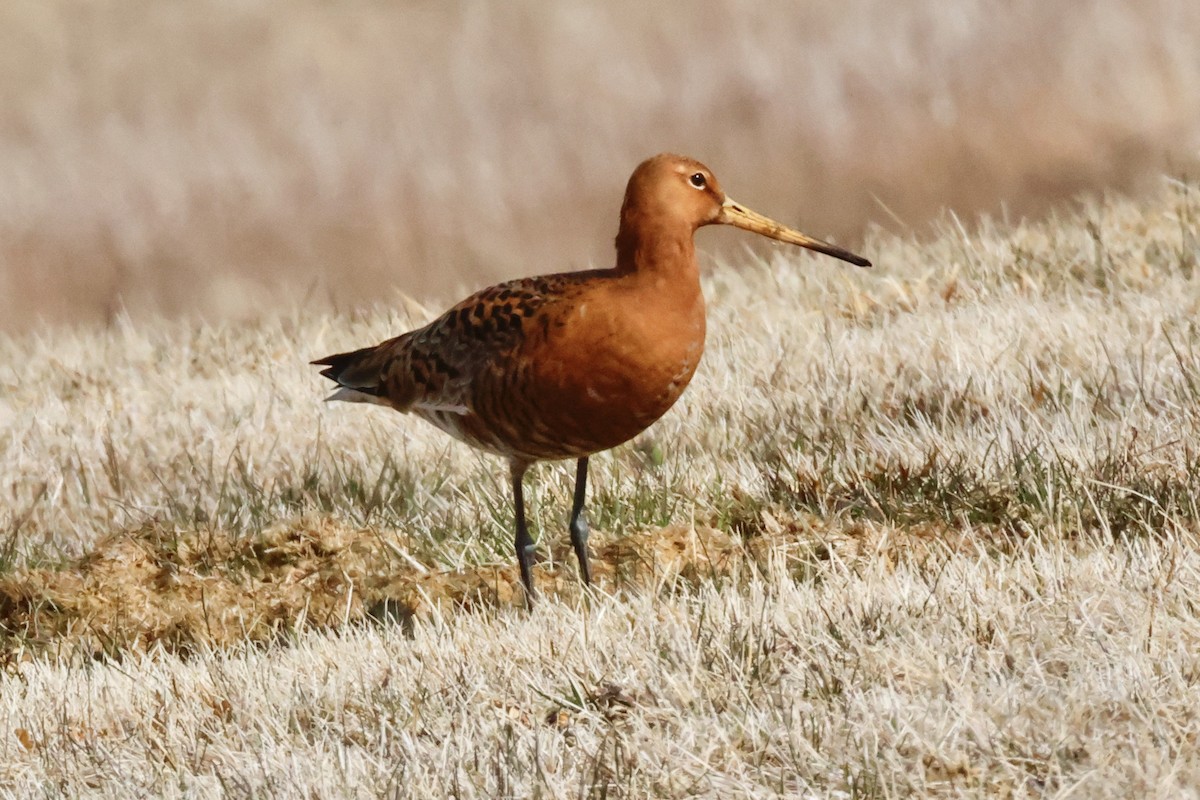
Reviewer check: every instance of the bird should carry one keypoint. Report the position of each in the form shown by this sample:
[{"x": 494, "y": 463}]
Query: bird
[{"x": 567, "y": 365}]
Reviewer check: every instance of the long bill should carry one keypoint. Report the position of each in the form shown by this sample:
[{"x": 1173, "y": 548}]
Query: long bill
[{"x": 738, "y": 215}]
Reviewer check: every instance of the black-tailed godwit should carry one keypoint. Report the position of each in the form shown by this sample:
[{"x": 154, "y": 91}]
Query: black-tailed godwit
[{"x": 563, "y": 366}]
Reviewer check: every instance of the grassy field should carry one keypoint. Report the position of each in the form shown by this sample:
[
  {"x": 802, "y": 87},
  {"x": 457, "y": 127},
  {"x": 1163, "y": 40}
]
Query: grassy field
[
  {"x": 927, "y": 529},
  {"x": 210, "y": 158},
  {"x": 930, "y": 529}
]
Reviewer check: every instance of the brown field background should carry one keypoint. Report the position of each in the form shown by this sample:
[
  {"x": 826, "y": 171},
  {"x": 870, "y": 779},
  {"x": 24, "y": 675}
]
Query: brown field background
[
  {"x": 217, "y": 158},
  {"x": 926, "y": 530}
]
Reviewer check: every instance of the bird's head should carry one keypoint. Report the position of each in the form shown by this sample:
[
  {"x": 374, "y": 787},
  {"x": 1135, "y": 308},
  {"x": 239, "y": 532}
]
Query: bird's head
[{"x": 670, "y": 190}]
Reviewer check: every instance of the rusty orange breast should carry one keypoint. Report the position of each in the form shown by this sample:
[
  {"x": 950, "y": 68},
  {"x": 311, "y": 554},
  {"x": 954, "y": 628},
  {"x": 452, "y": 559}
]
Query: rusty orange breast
[
  {"x": 603, "y": 366},
  {"x": 625, "y": 357}
]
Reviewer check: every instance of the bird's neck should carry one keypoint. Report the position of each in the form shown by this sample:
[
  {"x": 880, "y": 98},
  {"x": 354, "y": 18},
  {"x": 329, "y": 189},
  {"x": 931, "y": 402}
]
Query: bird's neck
[{"x": 659, "y": 248}]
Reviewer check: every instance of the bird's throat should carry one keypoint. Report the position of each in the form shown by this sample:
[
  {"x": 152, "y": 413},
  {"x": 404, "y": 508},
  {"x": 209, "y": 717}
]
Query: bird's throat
[{"x": 656, "y": 246}]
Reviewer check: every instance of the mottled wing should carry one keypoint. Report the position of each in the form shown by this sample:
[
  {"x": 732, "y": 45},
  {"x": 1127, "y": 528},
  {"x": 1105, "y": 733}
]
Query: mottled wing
[
  {"x": 437, "y": 367},
  {"x": 359, "y": 373}
]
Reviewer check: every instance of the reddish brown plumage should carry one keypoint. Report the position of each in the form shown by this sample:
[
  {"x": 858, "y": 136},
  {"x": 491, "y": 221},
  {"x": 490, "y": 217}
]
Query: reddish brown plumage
[{"x": 566, "y": 365}]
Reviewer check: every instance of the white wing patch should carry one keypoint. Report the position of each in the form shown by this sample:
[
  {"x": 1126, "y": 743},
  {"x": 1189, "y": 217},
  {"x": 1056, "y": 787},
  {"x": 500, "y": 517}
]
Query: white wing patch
[
  {"x": 347, "y": 395},
  {"x": 447, "y": 408}
]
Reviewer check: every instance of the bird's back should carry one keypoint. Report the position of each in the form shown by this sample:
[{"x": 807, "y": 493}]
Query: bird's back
[
  {"x": 552, "y": 367},
  {"x": 468, "y": 371}
]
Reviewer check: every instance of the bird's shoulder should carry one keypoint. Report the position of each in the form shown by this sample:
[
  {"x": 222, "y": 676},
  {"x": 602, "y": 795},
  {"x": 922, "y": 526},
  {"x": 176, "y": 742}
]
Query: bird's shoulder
[
  {"x": 502, "y": 314},
  {"x": 443, "y": 359}
]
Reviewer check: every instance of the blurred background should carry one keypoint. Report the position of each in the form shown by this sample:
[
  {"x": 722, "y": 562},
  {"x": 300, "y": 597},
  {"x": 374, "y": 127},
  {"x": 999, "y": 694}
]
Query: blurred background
[{"x": 219, "y": 158}]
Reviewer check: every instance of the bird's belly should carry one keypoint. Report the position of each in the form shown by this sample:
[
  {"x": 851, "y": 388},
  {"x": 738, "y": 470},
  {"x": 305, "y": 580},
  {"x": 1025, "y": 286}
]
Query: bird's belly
[
  {"x": 493, "y": 435},
  {"x": 566, "y": 409},
  {"x": 588, "y": 378},
  {"x": 614, "y": 393}
]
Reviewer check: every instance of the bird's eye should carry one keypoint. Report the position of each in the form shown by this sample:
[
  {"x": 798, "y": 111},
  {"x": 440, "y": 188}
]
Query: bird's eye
[{"x": 698, "y": 180}]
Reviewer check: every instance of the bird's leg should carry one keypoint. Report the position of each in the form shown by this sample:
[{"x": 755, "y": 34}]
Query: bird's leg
[
  {"x": 579, "y": 523},
  {"x": 524, "y": 542}
]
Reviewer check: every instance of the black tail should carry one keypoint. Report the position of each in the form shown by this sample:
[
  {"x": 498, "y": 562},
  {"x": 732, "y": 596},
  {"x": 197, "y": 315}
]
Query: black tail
[
  {"x": 338, "y": 362},
  {"x": 353, "y": 370}
]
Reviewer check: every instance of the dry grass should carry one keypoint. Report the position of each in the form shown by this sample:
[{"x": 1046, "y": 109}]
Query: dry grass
[
  {"x": 186, "y": 590},
  {"x": 930, "y": 529},
  {"x": 214, "y": 157},
  {"x": 927, "y": 530},
  {"x": 1058, "y": 667}
]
